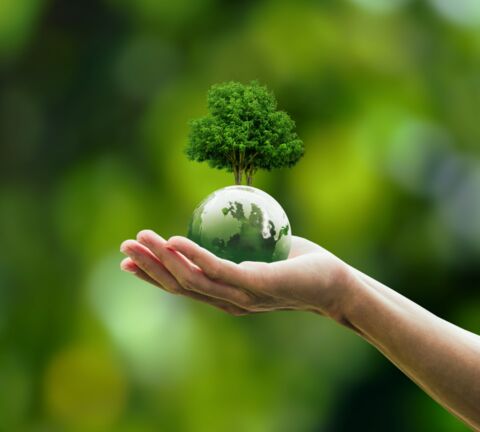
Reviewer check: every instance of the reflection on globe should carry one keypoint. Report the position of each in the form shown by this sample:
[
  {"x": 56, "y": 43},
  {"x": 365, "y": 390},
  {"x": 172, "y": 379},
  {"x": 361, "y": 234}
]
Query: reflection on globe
[{"x": 241, "y": 223}]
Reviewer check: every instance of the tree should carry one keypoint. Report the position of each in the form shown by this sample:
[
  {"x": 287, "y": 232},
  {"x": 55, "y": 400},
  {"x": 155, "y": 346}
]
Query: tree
[{"x": 244, "y": 132}]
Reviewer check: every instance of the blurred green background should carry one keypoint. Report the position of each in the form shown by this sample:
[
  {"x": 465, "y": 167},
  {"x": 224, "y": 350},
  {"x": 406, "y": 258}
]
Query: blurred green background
[{"x": 95, "y": 97}]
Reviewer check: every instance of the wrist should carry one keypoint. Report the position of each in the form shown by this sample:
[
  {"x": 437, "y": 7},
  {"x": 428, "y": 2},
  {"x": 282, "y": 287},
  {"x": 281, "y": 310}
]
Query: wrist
[
  {"x": 349, "y": 292},
  {"x": 359, "y": 304},
  {"x": 332, "y": 295}
]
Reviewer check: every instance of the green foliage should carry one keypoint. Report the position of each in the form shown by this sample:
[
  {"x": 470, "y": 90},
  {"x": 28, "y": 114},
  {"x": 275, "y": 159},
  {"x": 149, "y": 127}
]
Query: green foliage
[{"x": 244, "y": 131}]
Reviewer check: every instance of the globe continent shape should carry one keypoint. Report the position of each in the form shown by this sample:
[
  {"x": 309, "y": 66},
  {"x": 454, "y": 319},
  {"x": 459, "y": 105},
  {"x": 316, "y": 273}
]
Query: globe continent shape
[{"x": 241, "y": 223}]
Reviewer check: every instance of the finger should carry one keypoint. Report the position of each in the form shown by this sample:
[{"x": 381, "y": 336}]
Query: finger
[
  {"x": 128, "y": 265},
  {"x": 146, "y": 261},
  {"x": 189, "y": 275},
  {"x": 154, "y": 242},
  {"x": 214, "y": 267}
]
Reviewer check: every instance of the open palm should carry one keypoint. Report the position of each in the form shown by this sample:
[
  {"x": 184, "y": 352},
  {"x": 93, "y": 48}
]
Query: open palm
[{"x": 310, "y": 279}]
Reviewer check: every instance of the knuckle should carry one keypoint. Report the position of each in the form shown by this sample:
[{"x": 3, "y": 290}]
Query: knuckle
[
  {"x": 214, "y": 272},
  {"x": 174, "y": 290},
  {"x": 192, "y": 256},
  {"x": 247, "y": 301},
  {"x": 188, "y": 283}
]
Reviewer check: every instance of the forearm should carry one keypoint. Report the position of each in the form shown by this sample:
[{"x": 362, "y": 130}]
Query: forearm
[{"x": 440, "y": 357}]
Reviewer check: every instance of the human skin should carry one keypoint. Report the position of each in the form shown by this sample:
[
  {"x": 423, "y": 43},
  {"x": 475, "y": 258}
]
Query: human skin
[{"x": 443, "y": 359}]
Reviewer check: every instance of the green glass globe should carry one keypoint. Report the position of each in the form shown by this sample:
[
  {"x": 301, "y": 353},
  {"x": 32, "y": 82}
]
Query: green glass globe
[{"x": 241, "y": 223}]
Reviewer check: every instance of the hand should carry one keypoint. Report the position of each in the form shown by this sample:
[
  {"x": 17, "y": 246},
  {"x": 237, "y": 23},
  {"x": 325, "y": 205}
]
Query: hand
[{"x": 310, "y": 279}]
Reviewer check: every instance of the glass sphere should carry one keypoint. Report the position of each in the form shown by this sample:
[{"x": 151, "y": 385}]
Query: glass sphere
[{"x": 241, "y": 223}]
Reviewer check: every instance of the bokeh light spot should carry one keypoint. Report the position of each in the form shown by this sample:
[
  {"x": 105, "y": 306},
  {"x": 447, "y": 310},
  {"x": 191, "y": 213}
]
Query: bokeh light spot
[
  {"x": 85, "y": 387},
  {"x": 151, "y": 328},
  {"x": 460, "y": 210},
  {"x": 463, "y": 12},
  {"x": 17, "y": 18},
  {"x": 416, "y": 155},
  {"x": 336, "y": 189}
]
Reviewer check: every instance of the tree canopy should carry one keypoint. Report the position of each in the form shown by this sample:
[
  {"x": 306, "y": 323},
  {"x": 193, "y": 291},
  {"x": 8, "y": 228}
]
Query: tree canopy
[{"x": 244, "y": 131}]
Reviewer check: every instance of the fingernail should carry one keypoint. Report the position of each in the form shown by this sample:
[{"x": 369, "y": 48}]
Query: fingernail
[
  {"x": 123, "y": 247},
  {"x": 127, "y": 270}
]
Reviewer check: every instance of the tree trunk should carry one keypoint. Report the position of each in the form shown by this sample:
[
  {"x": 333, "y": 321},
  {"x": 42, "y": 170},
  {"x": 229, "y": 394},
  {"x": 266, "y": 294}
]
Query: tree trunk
[
  {"x": 249, "y": 175},
  {"x": 237, "y": 174}
]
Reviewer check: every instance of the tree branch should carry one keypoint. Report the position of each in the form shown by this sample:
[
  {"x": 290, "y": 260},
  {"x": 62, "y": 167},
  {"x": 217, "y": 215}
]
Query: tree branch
[{"x": 251, "y": 159}]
